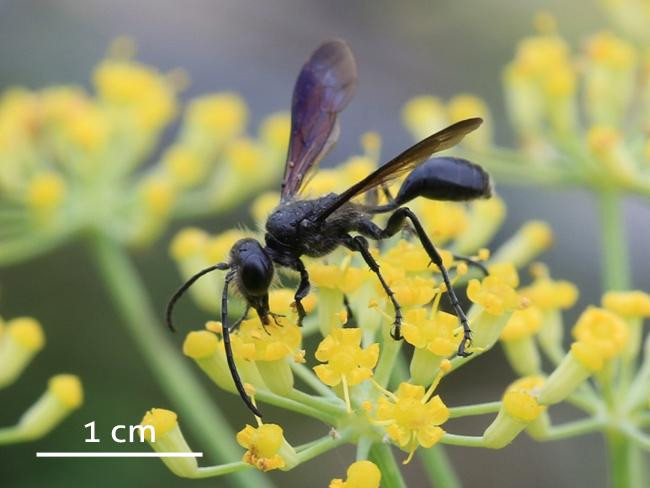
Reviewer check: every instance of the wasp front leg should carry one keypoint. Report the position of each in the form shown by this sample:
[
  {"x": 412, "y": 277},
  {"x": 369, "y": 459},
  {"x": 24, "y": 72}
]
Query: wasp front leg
[{"x": 302, "y": 291}]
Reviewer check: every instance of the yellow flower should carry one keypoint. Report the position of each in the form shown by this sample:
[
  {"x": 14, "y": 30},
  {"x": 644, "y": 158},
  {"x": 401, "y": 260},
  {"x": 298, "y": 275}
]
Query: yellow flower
[
  {"x": 163, "y": 434},
  {"x": 255, "y": 343},
  {"x": 412, "y": 418},
  {"x": 346, "y": 360},
  {"x": 21, "y": 339},
  {"x": 519, "y": 408},
  {"x": 266, "y": 447},
  {"x": 423, "y": 116},
  {"x": 361, "y": 474},
  {"x": 222, "y": 116},
  {"x": 627, "y": 303},
  {"x": 184, "y": 164},
  {"x": 413, "y": 291},
  {"x": 529, "y": 241},
  {"x": 408, "y": 256},
  {"x": 45, "y": 193},
  {"x": 442, "y": 220},
  {"x": 493, "y": 294},
  {"x": 264, "y": 204},
  {"x": 548, "y": 294},
  {"x": 436, "y": 334},
  {"x": 522, "y": 323},
  {"x": 603, "y": 329},
  {"x": 274, "y": 131}
]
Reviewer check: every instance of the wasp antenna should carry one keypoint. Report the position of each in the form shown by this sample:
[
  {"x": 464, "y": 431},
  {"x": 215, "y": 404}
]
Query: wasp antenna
[
  {"x": 179, "y": 293},
  {"x": 230, "y": 359}
]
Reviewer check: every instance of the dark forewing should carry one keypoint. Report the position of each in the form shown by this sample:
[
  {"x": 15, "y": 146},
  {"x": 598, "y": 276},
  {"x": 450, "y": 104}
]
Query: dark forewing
[
  {"x": 323, "y": 88},
  {"x": 406, "y": 161}
]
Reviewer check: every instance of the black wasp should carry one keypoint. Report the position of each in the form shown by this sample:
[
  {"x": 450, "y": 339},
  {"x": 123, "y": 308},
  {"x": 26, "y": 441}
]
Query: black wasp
[{"x": 318, "y": 226}]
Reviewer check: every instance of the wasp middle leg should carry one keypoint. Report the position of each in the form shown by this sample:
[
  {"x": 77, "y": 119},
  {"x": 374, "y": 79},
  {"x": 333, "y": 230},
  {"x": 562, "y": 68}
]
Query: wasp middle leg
[{"x": 360, "y": 244}]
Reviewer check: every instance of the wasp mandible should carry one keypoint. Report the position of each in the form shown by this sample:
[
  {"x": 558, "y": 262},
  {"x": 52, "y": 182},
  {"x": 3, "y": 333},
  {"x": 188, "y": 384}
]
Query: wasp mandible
[{"x": 316, "y": 227}]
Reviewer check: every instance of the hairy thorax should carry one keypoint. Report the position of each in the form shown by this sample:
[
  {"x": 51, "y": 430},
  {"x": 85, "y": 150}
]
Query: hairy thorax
[{"x": 292, "y": 226}]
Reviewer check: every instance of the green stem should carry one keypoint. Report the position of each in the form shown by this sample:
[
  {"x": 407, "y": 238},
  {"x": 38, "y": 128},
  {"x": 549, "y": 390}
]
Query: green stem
[
  {"x": 363, "y": 447},
  {"x": 10, "y": 435},
  {"x": 438, "y": 467},
  {"x": 623, "y": 461},
  {"x": 323, "y": 445},
  {"x": 305, "y": 374},
  {"x": 221, "y": 469},
  {"x": 197, "y": 409},
  {"x": 462, "y": 440},
  {"x": 616, "y": 271},
  {"x": 391, "y": 475},
  {"x": 317, "y": 403},
  {"x": 641, "y": 439},
  {"x": 478, "y": 409},
  {"x": 296, "y": 406},
  {"x": 573, "y": 429}
]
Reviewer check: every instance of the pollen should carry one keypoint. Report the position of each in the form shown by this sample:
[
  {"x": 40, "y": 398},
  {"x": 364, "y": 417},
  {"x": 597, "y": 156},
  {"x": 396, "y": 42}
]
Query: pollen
[{"x": 263, "y": 446}]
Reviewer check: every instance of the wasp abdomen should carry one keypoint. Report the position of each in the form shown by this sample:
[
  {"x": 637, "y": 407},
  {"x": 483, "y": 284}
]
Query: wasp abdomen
[{"x": 446, "y": 178}]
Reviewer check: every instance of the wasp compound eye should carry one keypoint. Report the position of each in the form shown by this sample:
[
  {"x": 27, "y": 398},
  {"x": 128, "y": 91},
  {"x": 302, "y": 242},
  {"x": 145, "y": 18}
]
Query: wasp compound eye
[{"x": 254, "y": 265}]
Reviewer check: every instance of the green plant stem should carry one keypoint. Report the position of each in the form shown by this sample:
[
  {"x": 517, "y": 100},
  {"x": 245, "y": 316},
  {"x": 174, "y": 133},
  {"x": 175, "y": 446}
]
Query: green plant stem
[
  {"x": 317, "y": 403},
  {"x": 623, "y": 471},
  {"x": 438, "y": 467},
  {"x": 196, "y": 408},
  {"x": 10, "y": 435},
  {"x": 305, "y": 374},
  {"x": 221, "y": 469},
  {"x": 616, "y": 271},
  {"x": 363, "y": 447},
  {"x": 573, "y": 429},
  {"x": 478, "y": 409},
  {"x": 462, "y": 440},
  {"x": 391, "y": 475},
  {"x": 271, "y": 398},
  {"x": 323, "y": 445}
]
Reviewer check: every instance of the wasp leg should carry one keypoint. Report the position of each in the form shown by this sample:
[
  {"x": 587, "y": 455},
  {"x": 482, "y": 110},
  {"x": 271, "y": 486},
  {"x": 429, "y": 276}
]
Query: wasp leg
[
  {"x": 360, "y": 244},
  {"x": 395, "y": 223},
  {"x": 226, "y": 342},
  {"x": 348, "y": 310},
  {"x": 235, "y": 325},
  {"x": 472, "y": 262},
  {"x": 302, "y": 291}
]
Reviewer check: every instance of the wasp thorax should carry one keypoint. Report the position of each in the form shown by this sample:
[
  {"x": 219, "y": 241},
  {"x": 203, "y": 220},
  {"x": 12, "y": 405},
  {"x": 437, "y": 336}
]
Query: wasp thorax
[{"x": 254, "y": 266}]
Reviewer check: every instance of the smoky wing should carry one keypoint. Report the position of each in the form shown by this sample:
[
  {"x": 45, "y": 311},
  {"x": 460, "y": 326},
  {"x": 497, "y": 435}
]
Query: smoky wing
[
  {"x": 406, "y": 161},
  {"x": 324, "y": 87}
]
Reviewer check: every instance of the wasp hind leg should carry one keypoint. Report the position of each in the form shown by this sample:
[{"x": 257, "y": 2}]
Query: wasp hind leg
[
  {"x": 395, "y": 223},
  {"x": 302, "y": 291},
  {"x": 360, "y": 244}
]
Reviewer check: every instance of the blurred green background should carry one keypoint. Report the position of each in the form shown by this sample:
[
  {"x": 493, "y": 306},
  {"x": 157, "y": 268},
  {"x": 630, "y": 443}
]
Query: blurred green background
[{"x": 402, "y": 49}]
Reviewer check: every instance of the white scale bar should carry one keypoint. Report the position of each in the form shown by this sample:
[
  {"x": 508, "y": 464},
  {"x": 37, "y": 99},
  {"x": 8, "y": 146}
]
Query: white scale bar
[{"x": 118, "y": 454}]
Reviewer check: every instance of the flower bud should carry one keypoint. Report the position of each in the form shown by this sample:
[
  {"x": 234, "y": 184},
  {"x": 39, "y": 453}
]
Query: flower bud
[
  {"x": 361, "y": 474},
  {"x": 518, "y": 409},
  {"x": 21, "y": 339},
  {"x": 169, "y": 438},
  {"x": 64, "y": 394},
  {"x": 518, "y": 342}
]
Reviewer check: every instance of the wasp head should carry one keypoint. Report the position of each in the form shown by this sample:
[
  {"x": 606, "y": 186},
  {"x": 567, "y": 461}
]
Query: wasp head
[{"x": 255, "y": 272}]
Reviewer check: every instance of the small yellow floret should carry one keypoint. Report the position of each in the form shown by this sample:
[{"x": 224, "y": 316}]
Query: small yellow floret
[
  {"x": 184, "y": 164},
  {"x": 46, "y": 192},
  {"x": 67, "y": 389},
  {"x": 493, "y": 294},
  {"x": 200, "y": 344},
  {"x": 27, "y": 332},
  {"x": 163, "y": 421},
  {"x": 519, "y": 399},
  {"x": 345, "y": 358},
  {"x": 159, "y": 195},
  {"x": 188, "y": 242},
  {"x": 263, "y": 444},
  {"x": 628, "y": 303},
  {"x": 522, "y": 323},
  {"x": 589, "y": 355},
  {"x": 275, "y": 129},
  {"x": 361, "y": 474},
  {"x": 603, "y": 329},
  {"x": 223, "y": 115},
  {"x": 264, "y": 204}
]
